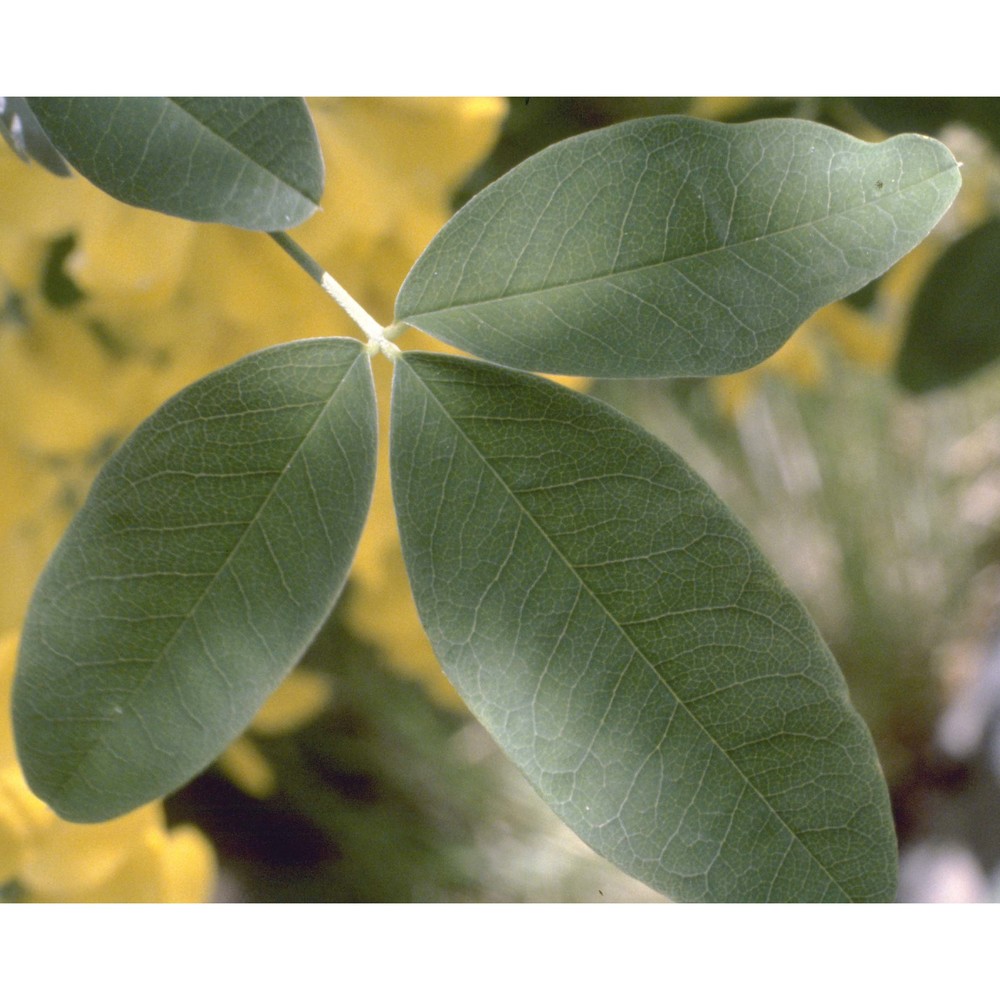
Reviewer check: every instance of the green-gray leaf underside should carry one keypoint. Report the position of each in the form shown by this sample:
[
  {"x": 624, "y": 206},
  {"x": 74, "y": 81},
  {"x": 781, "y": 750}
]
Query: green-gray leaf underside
[
  {"x": 211, "y": 548},
  {"x": 621, "y": 637},
  {"x": 673, "y": 246},
  {"x": 252, "y": 162},
  {"x": 953, "y": 330}
]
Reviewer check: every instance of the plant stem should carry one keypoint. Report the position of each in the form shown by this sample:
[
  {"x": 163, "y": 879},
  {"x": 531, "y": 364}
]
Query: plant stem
[
  {"x": 373, "y": 330},
  {"x": 307, "y": 263}
]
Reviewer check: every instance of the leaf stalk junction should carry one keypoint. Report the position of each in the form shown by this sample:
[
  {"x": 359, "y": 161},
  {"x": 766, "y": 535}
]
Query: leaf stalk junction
[{"x": 379, "y": 337}]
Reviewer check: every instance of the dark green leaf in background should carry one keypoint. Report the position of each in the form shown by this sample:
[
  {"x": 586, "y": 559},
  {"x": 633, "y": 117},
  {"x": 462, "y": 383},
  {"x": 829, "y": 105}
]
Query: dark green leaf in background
[
  {"x": 252, "y": 162},
  {"x": 623, "y": 640},
  {"x": 932, "y": 114},
  {"x": 954, "y": 327},
  {"x": 210, "y": 550},
  {"x": 673, "y": 246}
]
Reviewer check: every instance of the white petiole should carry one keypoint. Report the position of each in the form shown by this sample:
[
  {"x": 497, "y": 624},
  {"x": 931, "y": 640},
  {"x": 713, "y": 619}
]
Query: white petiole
[{"x": 374, "y": 331}]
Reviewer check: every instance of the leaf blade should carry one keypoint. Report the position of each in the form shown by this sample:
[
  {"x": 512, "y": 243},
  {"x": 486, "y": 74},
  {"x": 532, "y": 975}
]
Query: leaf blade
[
  {"x": 251, "y": 162},
  {"x": 209, "y": 552},
  {"x": 671, "y": 246},
  {"x": 621, "y": 637}
]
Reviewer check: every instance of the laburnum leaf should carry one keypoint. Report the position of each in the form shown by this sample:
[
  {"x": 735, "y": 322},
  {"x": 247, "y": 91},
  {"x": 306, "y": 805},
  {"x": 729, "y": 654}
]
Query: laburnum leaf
[
  {"x": 622, "y": 638},
  {"x": 953, "y": 330},
  {"x": 252, "y": 162},
  {"x": 209, "y": 551},
  {"x": 673, "y": 246}
]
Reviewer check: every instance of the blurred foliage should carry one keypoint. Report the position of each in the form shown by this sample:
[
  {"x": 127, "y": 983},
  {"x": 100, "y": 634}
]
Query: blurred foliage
[
  {"x": 931, "y": 115},
  {"x": 954, "y": 326}
]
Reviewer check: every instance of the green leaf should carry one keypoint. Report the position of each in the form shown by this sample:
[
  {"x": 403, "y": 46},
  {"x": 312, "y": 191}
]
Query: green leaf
[
  {"x": 953, "y": 330},
  {"x": 252, "y": 162},
  {"x": 672, "y": 246},
  {"x": 211, "y": 548},
  {"x": 624, "y": 641}
]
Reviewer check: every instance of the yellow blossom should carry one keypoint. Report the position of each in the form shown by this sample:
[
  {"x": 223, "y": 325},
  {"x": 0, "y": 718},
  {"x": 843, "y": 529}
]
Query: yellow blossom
[
  {"x": 246, "y": 767},
  {"x": 719, "y": 107},
  {"x": 160, "y": 866}
]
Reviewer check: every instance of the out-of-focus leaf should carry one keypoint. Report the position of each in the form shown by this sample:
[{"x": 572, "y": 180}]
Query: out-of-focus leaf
[
  {"x": 20, "y": 129},
  {"x": 931, "y": 114},
  {"x": 672, "y": 246},
  {"x": 622, "y": 638},
  {"x": 208, "y": 553},
  {"x": 252, "y": 162},
  {"x": 954, "y": 327}
]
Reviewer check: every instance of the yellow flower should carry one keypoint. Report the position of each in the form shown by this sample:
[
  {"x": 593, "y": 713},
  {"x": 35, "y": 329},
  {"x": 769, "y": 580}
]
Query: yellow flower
[
  {"x": 719, "y": 107},
  {"x": 134, "y": 858}
]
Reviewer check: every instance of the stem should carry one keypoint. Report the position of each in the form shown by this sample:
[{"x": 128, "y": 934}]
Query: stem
[
  {"x": 373, "y": 330},
  {"x": 310, "y": 266}
]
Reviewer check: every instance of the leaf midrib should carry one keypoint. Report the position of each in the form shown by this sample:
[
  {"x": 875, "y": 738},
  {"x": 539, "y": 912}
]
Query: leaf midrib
[
  {"x": 672, "y": 262},
  {"x": 627, "y": 636},
  {"x": 236, "y": 149}
]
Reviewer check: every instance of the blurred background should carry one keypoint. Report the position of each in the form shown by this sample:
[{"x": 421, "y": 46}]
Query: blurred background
[{"x": 864, "y": 458}]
